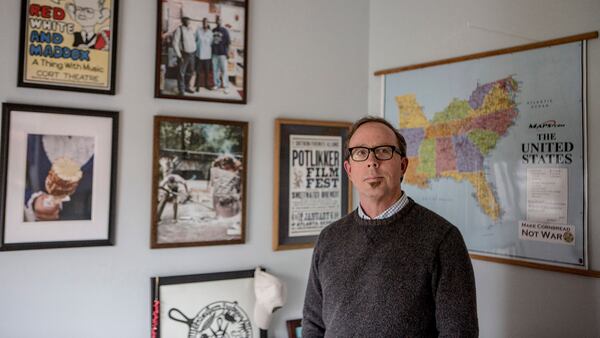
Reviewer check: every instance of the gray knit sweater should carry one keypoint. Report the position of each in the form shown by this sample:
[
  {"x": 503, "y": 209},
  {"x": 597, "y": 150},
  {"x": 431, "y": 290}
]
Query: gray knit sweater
[{"x": 408, "y": 275}]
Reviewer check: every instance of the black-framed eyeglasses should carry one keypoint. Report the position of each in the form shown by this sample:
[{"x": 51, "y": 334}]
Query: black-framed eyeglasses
[{"x": 382, "y": 153}]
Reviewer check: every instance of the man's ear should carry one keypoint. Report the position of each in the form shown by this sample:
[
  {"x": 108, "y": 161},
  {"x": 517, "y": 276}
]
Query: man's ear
[
  {"x": 70, "y": 7},
  {"x": 404, "y": 165},
  {"x": 348, "y": 168}
]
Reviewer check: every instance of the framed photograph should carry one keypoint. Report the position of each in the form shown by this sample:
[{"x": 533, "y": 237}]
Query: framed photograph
[
  {"x": 69, "y": 45},
  {"x": 58, "y": 177},
  {"x": 199, "y": 182},
  {"x": 310, "y": 188},
  {"x": 201, "y": 50},
  {"x": 205, "y": 305},
  {"x": 294, "y": 328}
]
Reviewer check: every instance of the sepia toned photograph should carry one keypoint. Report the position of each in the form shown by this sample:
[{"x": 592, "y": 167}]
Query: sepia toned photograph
[
  {"x": 201, "y": 49},
  {"x": 198, "y": 182},
  {"x": 58, "y": 177}
]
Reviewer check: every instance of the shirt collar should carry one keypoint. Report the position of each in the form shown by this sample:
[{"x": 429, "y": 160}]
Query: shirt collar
[{"x": 389, "y": 212}]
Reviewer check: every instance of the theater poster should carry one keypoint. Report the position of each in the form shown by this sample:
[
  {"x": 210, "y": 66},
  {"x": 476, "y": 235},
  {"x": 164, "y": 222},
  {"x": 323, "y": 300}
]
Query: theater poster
[{"x": 68, "y": 45}]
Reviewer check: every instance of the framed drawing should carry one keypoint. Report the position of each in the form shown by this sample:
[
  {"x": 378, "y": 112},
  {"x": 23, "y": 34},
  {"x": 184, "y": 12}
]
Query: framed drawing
[
  {"x": 58, "y": 176},
  {"x": 294, "y": 328},
  {"x": 199, "y": 182},
  {"x": 205, "y": 305},
  {"x": 69, "y": 45},
  {"x": 201, "y": 50},
  {"x": 310, "y": 188},
  {"x": 497, "y": 145}
]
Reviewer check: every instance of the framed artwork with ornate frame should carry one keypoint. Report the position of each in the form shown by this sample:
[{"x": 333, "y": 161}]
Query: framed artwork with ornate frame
[
  {"x": 310, "y": 188},
  {"x": 205, "y": 305},
  {"x": 201, "y": 50},
  {"x": 199, "y": 182},
  {"x": 69, "y": 45},
  {"x": 58, "y": 177}
]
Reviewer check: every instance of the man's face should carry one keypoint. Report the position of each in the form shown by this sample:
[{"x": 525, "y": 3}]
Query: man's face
[
  {"x": 218, "y": 21},
  {"x": 185, "y": 22},
  {"x": 87, "y": 12},
  {"x": 373, "y": 178}
]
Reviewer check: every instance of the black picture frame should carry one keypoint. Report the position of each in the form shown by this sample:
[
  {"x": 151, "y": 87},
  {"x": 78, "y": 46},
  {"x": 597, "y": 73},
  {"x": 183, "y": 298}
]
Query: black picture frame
[
  {"x": 50, "y": 59},
  {"x": 76, "y": 151},
  {"x": 314, "y": 132},
  {"x": 204, "y": 291},
  {"x": 234, "y": 17}
]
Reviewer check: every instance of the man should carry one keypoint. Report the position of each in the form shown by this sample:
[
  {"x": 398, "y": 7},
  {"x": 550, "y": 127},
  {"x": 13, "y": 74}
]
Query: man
[
  {"x": 391, "y": 268},
  {"x": 170, "y": 187},
  {"x": 88, "y": 14},
  {"x": 184, "y": 44},
  {"x": 220, "y": 48},
  {"x": 204, "y": 38}
]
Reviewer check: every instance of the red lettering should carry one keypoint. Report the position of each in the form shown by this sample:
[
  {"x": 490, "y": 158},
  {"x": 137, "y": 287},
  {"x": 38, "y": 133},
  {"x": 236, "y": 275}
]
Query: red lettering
[
  {"x": 47, "y": 12},
  {"x": 59, "y": 13},
  {"x": 34, "y": 10}
]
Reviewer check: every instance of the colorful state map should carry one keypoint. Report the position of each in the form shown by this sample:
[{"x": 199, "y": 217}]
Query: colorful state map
[{"x": 456, "y": 141}]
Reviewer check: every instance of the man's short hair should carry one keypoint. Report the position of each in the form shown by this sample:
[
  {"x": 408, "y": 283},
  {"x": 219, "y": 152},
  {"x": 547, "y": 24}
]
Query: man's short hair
[{"x": 369, "y": 118}]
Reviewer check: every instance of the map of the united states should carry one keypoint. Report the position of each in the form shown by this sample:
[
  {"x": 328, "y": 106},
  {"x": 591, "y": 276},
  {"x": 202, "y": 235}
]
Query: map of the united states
[{"x": 454, "y": 143}]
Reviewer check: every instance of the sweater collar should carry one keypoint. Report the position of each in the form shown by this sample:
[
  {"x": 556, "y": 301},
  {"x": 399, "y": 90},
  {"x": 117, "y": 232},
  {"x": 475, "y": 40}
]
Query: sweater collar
[{"x": 386, "y": 221}]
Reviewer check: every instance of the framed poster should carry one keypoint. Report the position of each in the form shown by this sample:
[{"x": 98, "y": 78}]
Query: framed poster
[
  {"x": 310, "y": 188},
  {"x": 294, "y": 328},
  {"x": 69, "y": 45},
  {"x": 497, "y": 145},
  {"x": 201, "y": 50},
  {"x": 199, "y": 182},
  {"x": 58, "y": 177},
  {"x": 205, "y": 305}
]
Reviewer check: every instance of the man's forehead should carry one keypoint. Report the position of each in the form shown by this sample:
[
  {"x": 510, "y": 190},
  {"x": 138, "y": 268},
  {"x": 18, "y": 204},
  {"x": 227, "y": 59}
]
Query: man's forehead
[{"x": 370, "y": 131}]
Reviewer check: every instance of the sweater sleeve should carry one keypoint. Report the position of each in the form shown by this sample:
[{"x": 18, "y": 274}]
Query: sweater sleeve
[
  {"x": 312, "y": 321},
  {"x": 454, "y": 289}
]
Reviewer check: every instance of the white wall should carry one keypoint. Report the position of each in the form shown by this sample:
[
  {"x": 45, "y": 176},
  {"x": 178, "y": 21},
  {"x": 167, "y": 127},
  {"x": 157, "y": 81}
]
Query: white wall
[
  {"x": 307, "y": 59},
  {"x": 512, "y": 301}
]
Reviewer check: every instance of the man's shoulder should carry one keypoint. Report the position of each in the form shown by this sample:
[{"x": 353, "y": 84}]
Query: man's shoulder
[
  {"x": 433, "y": 220},
  {"x": 341, "y": 225}
]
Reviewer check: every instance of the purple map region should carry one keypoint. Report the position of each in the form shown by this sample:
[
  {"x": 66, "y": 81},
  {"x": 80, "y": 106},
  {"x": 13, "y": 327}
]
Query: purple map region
[
  {"x": 497, "y": 122},
  {"x": 476, "y": 99},
  {"x": 468, "y": 157},
  {"x": 413, "y": 137},
  {"x": 444, "y": 153}
]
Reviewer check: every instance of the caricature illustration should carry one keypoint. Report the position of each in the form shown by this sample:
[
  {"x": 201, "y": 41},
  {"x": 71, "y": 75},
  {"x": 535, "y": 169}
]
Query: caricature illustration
[{"x": 90, "y": 14}]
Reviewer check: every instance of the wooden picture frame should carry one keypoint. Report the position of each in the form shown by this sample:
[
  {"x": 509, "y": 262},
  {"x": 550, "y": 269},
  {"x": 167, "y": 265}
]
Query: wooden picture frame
[
  {"x": 199, "y": 168},
  {"x": 316, "y": 192},
  {"x": 58, "y": 177},
  {"x": 294, "y": 328},
  {"x": 209, "y": 303},
  {"x": 516, "y": 220},
  {"x": 78, "y": 53},
  {"x": 216, "y": 73}
]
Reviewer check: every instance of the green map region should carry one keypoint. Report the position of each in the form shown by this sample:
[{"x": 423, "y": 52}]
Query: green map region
[{"x": 455, "y": 142}]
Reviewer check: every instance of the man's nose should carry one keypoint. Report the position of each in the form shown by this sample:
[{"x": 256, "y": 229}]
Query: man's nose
[{"x": 372, "y": 161}]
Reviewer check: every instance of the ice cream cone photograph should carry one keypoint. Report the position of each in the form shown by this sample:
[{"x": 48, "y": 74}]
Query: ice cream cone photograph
[
  {"x": 58, "y": 176},
  {"x": 199, "y": 182}
]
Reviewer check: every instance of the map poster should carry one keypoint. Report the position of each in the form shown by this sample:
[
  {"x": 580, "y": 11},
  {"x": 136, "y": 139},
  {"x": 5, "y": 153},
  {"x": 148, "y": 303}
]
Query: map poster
[
  {"x": 311, "y": 189},
  {"x": 68, "y": 45},
  {"x": 315, "y": 177},
  {"x": 496, "y": 145}
]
